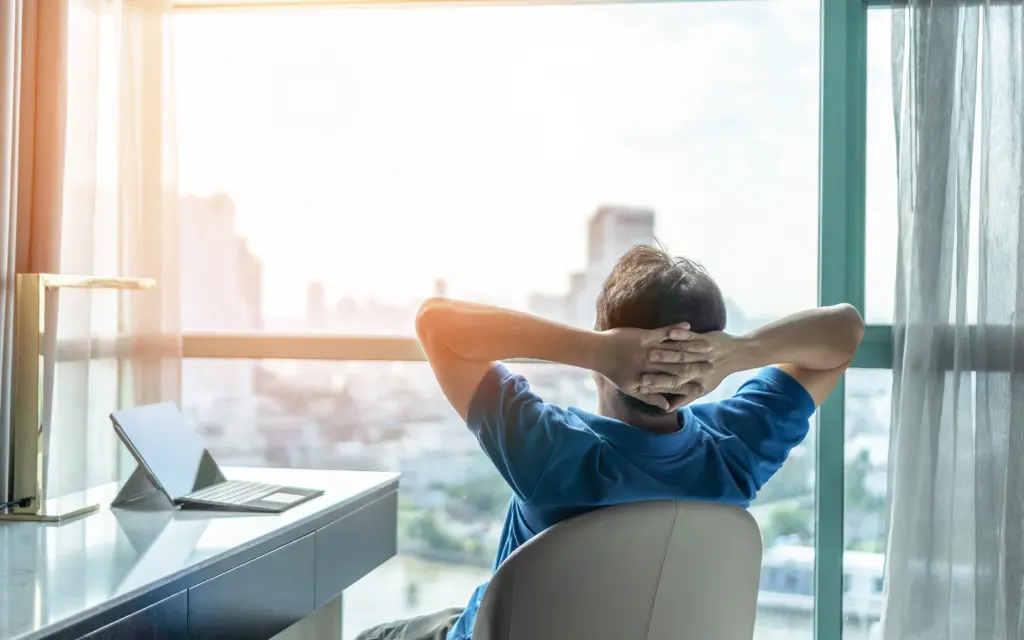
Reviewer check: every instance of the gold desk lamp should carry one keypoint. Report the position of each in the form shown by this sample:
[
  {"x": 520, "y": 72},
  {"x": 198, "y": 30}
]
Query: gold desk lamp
[{"x": 30, "y": 436}]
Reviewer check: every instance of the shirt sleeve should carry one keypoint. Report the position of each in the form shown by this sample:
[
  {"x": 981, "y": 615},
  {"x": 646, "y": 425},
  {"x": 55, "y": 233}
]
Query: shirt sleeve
[
  {"x": 515, "y": 427},
  {"x": 755, "y": 429}
]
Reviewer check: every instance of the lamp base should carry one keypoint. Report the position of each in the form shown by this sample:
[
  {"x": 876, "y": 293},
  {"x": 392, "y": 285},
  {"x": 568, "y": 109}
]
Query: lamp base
[{"x": 53, "y": 511}]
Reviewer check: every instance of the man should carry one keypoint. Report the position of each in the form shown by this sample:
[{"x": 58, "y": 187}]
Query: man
[{"x": 658, "y": 344}]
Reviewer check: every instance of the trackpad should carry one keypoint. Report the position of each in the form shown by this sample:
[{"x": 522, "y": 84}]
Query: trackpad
[{"x": 282, "y": 498}]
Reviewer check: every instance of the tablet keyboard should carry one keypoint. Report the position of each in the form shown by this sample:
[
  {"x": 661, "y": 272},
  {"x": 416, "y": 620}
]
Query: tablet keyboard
[{"x": 233, "y": 492}]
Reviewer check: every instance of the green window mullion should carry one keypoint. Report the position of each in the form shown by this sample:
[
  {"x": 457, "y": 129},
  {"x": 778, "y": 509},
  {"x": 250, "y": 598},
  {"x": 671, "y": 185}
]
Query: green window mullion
[
  {"x": 840, "y": 273},
  {"x": 875, "y": 349}
]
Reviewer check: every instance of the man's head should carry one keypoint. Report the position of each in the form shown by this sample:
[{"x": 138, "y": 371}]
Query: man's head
[{"x": 649, "y": 289}]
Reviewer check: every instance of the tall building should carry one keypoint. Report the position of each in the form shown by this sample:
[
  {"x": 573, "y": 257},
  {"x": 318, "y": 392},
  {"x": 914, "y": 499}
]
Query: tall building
[
  {"x": 552, "y": 307},
  {"x": 614, "y": 229},
  {"x": 441, "y": 288},
  {"x": 221, "y": 290},
  {"x": 316, "y": 307},
  {"x": 221, "y": 279},
  {"x": 610, "y": 232},
  {"x": 250, "y": 282},
  {"x": 578, "y": 306}
]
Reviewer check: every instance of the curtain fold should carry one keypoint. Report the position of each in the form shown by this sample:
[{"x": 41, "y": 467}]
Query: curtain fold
[
  {"x": 10, "y": 49},
  {"x": 118, "y": 217},
  {"x": 153, "y": 247},
  {"x": 42, "y": 113},
  {"x": 32, "y": 101},
  {"x": 955, "y": 550}
]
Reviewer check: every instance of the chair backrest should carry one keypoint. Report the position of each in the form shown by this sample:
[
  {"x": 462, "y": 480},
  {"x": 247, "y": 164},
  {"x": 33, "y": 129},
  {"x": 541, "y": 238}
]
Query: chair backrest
[{"x": 643, "y": 571}]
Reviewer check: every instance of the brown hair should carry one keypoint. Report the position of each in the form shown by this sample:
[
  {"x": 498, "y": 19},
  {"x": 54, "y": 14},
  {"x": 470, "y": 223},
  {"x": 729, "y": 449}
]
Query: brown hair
[{"x": 648, "y": 288}]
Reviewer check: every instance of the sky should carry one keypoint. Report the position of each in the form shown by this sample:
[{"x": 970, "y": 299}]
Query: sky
[{"x": 376, "y": 150}]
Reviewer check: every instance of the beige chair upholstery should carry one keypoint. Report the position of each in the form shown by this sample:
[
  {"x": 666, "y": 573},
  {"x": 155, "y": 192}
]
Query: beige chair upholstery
[{"x": 643, "y": 571}]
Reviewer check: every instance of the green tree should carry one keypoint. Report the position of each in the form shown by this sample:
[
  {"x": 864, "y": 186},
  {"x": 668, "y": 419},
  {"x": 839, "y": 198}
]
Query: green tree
[
  {"x": 873, "y": 546},
  {"x": 857, "y": 494},
  {"x": 487, "y": 497},
  {"x": 425, "y": 527},
  {"x": 792, "y": 481},
  {"x": 788, "y": 520}
]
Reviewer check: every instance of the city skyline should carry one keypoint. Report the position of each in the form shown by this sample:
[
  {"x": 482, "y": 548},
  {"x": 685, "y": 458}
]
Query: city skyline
[
  {"x": 421, "y": 162},
  {"x": 213, "y": 275}
]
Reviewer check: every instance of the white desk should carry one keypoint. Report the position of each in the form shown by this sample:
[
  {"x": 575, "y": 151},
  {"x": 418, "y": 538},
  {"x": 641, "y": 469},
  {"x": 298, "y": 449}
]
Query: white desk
[{"x": 149, "y": 571}]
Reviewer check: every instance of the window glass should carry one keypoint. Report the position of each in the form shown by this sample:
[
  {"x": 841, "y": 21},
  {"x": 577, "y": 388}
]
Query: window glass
[
  {"x": 372, "y": 158},
  {"x": 880, "y": 250},
  {"x": 881, "y": 197},
  {"x": 868, "y": 404}
]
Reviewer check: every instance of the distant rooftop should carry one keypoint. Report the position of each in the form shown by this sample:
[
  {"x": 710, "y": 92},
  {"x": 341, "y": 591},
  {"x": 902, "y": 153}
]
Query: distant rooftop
[{"x": 624, "y": 211}]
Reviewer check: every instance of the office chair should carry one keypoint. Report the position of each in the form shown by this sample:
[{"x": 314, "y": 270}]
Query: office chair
[{"x": 645, "y": 571}]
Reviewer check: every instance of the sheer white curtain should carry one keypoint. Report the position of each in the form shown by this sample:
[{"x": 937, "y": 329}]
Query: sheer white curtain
[
  {"x": 955, "y": 557},
  {"x": 118, "y": 217}
]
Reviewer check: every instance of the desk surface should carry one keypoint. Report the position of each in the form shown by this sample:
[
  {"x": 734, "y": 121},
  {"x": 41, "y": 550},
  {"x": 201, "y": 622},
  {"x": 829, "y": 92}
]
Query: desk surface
[{"x": 54, "y": 576}]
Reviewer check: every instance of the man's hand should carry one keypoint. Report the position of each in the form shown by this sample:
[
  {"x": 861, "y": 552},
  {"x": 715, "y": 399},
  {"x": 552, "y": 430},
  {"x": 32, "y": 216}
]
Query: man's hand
[
  {"x": 625, "y": 357},
  {"x": 814, "y": 347},
  {"x": 717, "y": 348}
]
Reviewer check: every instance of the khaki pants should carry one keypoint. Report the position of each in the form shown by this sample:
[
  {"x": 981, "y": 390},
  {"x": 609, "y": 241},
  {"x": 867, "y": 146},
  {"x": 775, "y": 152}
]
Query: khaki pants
[{"x": 430, "y": 627}]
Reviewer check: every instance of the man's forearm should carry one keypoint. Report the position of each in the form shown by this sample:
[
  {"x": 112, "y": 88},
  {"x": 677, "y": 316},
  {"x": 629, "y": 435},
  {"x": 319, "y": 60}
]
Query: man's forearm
[
  {"x": 821, "y": 339},
  {"x": 484, "y": 333}
]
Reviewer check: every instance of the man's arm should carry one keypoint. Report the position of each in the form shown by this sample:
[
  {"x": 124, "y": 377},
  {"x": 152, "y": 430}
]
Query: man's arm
[
  {"x": 462, "y": 341},
  {"x": 815, "y": 347}
]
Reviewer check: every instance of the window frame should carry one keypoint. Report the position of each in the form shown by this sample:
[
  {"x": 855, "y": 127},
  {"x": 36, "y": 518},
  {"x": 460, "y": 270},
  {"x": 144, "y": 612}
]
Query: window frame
[{"x": 841, "y": 267}]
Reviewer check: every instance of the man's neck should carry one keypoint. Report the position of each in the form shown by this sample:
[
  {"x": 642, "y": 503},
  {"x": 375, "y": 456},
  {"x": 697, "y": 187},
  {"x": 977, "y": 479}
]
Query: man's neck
[{"x": 668, "y": 423}]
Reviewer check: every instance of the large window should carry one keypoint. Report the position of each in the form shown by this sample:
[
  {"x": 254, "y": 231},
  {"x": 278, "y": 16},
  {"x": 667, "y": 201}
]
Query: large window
[{"x": 338, "y": 166}]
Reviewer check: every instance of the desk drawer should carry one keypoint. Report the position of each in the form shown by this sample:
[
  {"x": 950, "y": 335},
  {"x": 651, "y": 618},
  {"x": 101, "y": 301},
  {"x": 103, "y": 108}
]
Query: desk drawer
[
  {"x": 165, "y": 620},
  {"x": 352, "y": 547},
  {"x": 257, "y": 599}
]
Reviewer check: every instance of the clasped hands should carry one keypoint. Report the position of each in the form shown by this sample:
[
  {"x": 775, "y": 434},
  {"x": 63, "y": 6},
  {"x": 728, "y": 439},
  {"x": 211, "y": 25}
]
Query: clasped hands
[{"x": 668, "y": 367}]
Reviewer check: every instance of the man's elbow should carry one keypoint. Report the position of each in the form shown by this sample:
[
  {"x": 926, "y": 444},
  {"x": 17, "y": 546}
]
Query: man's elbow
[
  {"x": 850, "y": 329},
  {"x": 433, "y": 316}
]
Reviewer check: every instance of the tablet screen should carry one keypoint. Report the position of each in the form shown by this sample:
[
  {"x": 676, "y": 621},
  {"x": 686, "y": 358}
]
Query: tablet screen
[{"x": 170, "y": 448}]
